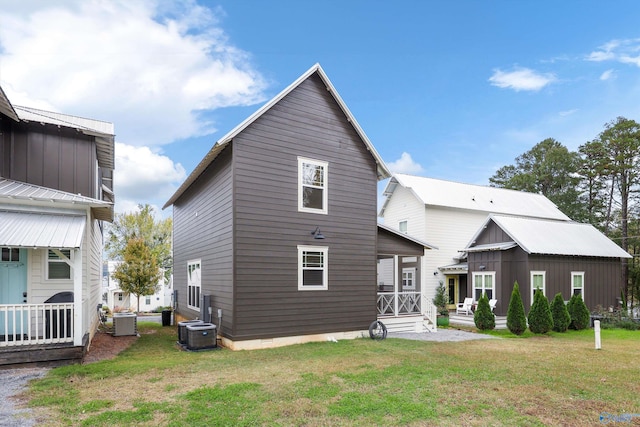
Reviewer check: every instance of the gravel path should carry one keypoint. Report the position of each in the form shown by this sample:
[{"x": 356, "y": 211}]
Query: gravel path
[
  {"x": 441, "y": 335},
  {"x": 12, "y": 382}
]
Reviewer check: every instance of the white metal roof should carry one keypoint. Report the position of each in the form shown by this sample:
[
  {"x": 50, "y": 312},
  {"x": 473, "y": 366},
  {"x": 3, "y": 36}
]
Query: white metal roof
[
  {"x": 41, "y": 230},
  {"x": 437, "y": 192},
  {"x": 6, "y": 107},
  {"x": 383, "y": 171},
  {"x": 34, "y": 194},
  {"x": 548, "y": 237}
]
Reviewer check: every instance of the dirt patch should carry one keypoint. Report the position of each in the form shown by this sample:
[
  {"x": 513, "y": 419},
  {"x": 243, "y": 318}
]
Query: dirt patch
[{"x": 105, "y": 346}]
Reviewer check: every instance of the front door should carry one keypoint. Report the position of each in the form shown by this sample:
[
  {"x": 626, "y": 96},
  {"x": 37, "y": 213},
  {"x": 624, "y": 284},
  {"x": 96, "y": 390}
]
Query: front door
[
  {"x": 452, "y": 291},
  {"x": 13, "y": 287}
]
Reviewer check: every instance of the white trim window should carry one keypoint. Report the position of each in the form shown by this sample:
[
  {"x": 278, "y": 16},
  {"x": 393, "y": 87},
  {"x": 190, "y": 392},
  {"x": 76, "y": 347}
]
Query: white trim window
[
  {"x": 312, "y": 185},
  {"x": 194, "y": 283},
  {"x": 538, "y": 281},
  {"x": 313, "y": 268},
  {"x": 484, "y": 282},
  {"x": 577, "y": 283},
  {"x": 408, "y": 279},
  {"x": 59, "y": 264},
  {"x": 403, "y": 226}
]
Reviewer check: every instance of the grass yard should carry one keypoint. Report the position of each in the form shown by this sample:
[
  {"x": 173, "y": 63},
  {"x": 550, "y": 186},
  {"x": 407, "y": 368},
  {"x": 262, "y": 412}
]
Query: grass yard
[{"x": 557, "y": 379}]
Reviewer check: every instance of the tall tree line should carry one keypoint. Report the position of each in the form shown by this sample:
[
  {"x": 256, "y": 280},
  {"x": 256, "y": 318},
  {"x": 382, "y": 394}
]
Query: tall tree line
[{"x": 598, "y": 184}]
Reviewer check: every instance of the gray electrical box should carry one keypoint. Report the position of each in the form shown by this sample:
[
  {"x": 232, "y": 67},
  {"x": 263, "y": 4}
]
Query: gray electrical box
[{"x": 124, "y": 324}]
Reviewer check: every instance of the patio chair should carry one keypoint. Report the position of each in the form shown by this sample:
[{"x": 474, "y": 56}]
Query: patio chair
[
  {"x": 492, "y": 303},
  {"x": 465, "y": 307}
]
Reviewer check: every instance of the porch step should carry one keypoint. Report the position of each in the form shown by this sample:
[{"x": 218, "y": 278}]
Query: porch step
[{"x": 403, "y": 324}]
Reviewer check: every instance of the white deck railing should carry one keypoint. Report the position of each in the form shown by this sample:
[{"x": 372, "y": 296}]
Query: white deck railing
[
  {"x": 392, "y": 304},
  {"x": 28, "y": 324}
]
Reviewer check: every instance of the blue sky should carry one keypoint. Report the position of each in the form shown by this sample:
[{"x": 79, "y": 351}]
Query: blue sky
[{"x": 445, "y": 89}]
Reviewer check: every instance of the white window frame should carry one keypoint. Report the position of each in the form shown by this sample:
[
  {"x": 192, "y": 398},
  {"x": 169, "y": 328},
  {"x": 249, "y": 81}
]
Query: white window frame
[
  {"x": 406, "y": 226},
  {"x": 194, "y": 283},
  {"x": 484, "y": 274},
  {"x": 575, "y": 274},
  {"x": 325, "y": 187},
  {"x": 120, "y": 296},
  {"x": 409, "y": 274},
  {"x": 544, "y": 283},
  {"x": 302, "y": 249},
  {"x": 68, "y": 261}
]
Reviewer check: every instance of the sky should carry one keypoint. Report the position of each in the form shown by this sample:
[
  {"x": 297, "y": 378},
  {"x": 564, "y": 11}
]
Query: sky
[{"x": 446, "y": 89}]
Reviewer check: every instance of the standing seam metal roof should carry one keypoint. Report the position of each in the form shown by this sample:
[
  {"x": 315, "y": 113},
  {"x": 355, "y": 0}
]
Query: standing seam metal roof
[{"x": 41, "y": 230}]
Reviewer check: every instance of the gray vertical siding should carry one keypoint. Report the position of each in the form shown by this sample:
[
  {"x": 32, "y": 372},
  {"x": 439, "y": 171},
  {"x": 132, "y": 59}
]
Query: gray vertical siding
[
  {"x": 203, "y": 229},
  {"x": 49, "y": 156},
  {"x": 268, "y": 226}
]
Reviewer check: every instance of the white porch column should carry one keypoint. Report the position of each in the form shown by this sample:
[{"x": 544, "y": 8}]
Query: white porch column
[
  {"x": 423, "y": 281},
  {"x": 77, "y": 297},
  {"x": 396, "y": 272}
]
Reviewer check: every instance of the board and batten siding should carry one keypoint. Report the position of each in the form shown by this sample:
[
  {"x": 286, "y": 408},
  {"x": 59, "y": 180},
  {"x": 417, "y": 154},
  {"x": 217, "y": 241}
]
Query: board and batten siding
[
  {"x": 268, "y": 227},
  {"x": 51, "y": 157},
  {"x": 203, "y": 229}
]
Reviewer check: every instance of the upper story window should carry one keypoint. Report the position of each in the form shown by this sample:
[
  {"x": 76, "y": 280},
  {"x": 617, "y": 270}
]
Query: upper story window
[
  {"x": 402, "y": 226},
  {"x": 312, "y": 185},
  {"x": 58, "y": 267},
  {"x": 577, "y": 283},
  {"x": 193, "y": 284},
  {"x": 313, "y": 268},
  {"x": 538, "y": 279},
  {"x": 484, "y": 282}
]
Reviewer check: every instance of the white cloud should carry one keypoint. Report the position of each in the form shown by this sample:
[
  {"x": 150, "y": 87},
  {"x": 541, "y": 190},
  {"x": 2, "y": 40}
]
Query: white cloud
[
  {"x": 521, "y": 79},
  {"x": 405, "y": 164},
  {"x": 608, "y": 75},
  {"x": 143, "y": 176},
  {"x": 148, "y": 66},
  {"x": 568, "y": 112},
  {"x": 626, "y": 51}
]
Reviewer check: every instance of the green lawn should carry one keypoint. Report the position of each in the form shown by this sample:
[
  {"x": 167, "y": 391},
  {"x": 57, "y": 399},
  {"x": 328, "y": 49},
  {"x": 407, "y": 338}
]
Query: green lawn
[{"x": 559, "y": 379}]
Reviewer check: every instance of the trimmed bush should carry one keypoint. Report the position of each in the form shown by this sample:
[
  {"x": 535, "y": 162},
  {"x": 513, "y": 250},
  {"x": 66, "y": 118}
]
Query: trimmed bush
[
  {"x": 484, "y": 319},
  {"x": 516, "y": 320},
  {"x": 540, "y": 320},
  {"x": 579, "y": 313},
  {"x": 560, "y": 314}
]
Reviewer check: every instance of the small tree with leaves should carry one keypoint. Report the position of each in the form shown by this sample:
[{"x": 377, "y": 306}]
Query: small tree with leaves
[
  {"x": 441, "y": 300},
  {"x": 484, "y": 319},
  {"x": 516, "y": 320},
  {"x": 540, "y": 320},
  {"x": 560, "y": 314},
  {"x": 138, "y": 273},
  {"x": 578, "y": 312}
]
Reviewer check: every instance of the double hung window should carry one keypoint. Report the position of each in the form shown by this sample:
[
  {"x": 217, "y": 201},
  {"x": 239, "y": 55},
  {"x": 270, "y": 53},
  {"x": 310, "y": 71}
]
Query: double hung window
[
  {"x": 312, "y": 186},
  {"x": 193, "y": 284},
  {"x": 313, "y": 268}
]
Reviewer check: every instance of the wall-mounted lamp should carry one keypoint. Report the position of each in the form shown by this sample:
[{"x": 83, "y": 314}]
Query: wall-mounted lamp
[
  {"x": 317, "y": 234},
  {"x": 482, "y": 267},
  {"x": 435, "y": 273}
]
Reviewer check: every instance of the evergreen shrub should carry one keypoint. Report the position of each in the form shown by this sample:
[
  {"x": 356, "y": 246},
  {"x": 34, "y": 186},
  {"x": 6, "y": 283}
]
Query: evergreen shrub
[
  {"x": 580, "y": 316},
  {"x": 516, "y": 320},
  {"x": 560, "y": 314},
  {"x": 540, "y": 320},
  {"x": 484, "y": 319}
]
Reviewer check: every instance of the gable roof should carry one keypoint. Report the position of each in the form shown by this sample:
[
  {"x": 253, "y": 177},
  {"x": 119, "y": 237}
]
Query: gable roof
[
  {"x": 437, "y": 192},
  {"x": 30, "y": 194},
  {"x": 382, "y": 170},
  {"x": 548, "y": 237},
  {"x": 102, "y": 131},
  {"x": 404, "y": 236}
]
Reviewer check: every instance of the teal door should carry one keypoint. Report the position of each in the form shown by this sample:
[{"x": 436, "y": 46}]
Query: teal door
[{"x": 13, "y": 289}]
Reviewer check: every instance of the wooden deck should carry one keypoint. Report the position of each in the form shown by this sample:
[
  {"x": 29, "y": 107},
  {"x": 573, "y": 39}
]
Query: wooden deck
[
  {"x": 42, "y": 354},
  {"x": 467, "y": 320}
]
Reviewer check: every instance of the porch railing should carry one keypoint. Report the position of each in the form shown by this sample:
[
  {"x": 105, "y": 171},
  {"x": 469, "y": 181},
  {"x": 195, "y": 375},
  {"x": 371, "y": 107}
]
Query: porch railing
[
  {"x": 392, "y": 304},
  {"x": 28, "y": 324}
]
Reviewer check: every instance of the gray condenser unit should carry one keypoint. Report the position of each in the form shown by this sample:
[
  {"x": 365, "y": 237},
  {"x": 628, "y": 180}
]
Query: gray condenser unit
[
  {"x": 182, "y": 330},
  {"x": 124, "y": 324},
  {"x": 201, "y": 336}
]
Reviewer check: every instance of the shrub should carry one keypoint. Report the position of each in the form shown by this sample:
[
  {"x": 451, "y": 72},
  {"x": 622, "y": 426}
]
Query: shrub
[
  {"x": 516, "y": 320},
  {"x": 483, "y": 317},
  {"x": 540, "y": 320},
  {"x": 579, "y": 313},
  {"x": 441, "y": 300},
  {"x": 560, "y": 314}
]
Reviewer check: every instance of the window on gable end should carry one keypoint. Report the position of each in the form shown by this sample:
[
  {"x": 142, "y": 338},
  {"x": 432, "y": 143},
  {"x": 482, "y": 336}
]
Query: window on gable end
[{"x": 312, "y": 186}]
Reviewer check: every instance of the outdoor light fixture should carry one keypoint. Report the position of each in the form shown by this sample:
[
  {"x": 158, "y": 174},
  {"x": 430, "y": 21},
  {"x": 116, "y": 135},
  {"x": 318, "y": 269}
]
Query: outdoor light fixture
[
  {"x": 482, "y": 267},
  {"x": 435, "y": 273},
  {"x": 317, "y": 234}
]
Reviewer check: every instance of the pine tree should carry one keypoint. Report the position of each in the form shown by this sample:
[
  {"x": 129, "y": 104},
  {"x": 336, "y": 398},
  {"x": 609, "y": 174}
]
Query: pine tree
[
  {"x": 579, "y": 313},
  {"x": 516, "y": 320},
  {"x": 540, "y": 320},
  {"x": 483, "y": 317},
  {"x": 560, "y": 314}
]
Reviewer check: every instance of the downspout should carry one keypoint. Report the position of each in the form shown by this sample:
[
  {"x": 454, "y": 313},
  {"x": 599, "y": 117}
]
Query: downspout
[{"x": 77, "y": 297}]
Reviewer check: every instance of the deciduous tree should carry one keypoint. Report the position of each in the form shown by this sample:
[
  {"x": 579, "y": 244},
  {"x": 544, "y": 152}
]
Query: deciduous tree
[{"x": 138, "y": 272}]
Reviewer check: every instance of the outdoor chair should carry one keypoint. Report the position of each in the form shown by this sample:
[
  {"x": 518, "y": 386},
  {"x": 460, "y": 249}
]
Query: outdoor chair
[
  {"x": 492, "y": 303},
  {"x": 465, "y": 307}
]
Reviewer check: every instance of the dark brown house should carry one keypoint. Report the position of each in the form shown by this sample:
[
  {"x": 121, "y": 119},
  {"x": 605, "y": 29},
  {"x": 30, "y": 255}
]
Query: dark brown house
[
  {"x": 275, "y": 231},
  {"x": 555, "y": 256}
]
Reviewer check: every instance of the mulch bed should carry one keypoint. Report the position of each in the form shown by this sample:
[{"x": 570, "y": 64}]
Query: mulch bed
[{"x": 105, "y": 346}]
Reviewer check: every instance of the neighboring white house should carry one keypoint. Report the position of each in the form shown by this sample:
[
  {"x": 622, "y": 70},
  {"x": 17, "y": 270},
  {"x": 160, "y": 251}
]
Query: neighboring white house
[
  {"x": 118, "y": 299},
  {"x": 447, "y": 214}
]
